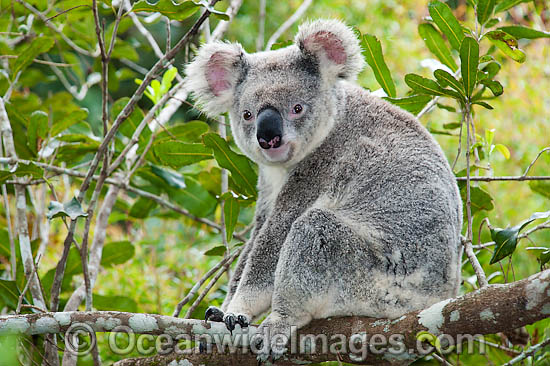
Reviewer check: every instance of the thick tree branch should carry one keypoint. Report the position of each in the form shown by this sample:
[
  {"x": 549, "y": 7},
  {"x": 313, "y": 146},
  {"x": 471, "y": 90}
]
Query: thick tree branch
[{"x": 493, "y": 309}]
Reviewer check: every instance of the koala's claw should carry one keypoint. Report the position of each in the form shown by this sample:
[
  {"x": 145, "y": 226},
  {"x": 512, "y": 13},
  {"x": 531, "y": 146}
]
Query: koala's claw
[
  {"x": 214, "y": 314},
  {"x": 230, "y": 320},
  {"x": 242, "y": 321}
]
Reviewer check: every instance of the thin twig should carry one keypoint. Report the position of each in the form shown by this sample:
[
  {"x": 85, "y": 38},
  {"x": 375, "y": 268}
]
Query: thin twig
[
  {"x": 528, "y": 352},
  {"x": 203, "y": 279},
  {"x": 261, "y": 26},
  {"x": 44, "y": 62},
  {"x": 535, "y": 160},
  {"x": 288, "y": 23}
]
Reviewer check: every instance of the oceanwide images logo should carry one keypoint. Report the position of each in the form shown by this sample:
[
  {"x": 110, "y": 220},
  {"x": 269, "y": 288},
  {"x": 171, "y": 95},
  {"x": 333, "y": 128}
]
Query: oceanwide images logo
[{"x": 122, "y": 340}]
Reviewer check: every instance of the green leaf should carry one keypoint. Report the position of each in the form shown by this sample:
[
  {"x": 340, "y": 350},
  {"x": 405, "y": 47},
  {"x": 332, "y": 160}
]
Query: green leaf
[
  {"x": 185, "y": 132},
  {"x": 375, "y": 59},
  {"x": 506, "y": 239},
  {"x": 443, "y": 16},
  {"x": 117, "y": 253},
  {"x": 141, "y": 208},
  {"x": 448, "y": 108},
  {"x": 491, "y": 23},
  {"x": 523, "y": 32},
  {"x": 544, "y": 257},
  {"x": 412, "y": 104},
  {"x": 495, "y": 87},
  {"x": 479, "y": 198},
  {"x": 218, "y": 251},
  {"x": 436, "y": 44},
  {"x": 503, "y": 150},
  {"x": 422, "y": 85},
  {"x": 195, "y": 198},
  {"x": 451, "y": 125},
  {"x": 541, "y": 187},
  {"x": 239, "y": 165},
  {"x": 72, "y": 209},
  {"x": 489, "y": 135},
  {"x": 9, "y": 294},
  {"x": 231, "y": 209},
  {"x": 507, "y": 4},
  {"x": 38, "y": 130},
  {"x": 62, "y": 121},
  {"x": 115, "y": 303},
  {"x": 22, "y": 170},
  {"x": 483, "y": 104},
  {"x": 445, "y": 79},
  {"x": 492, "y": 69},
  {"x": 507, "y": 44},
  {"x": 469, "y": 59},
  {"x": 38, "y": 46},
  {"x": 484, "y": 10},
  {"x": 168, "y": 8},
  {"x": 178, "y": 154},
  {"x": 172, "y": 179}
]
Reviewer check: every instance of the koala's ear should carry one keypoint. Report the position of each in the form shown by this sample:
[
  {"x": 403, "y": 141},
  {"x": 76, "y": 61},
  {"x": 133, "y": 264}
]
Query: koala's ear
[
  {"x": 334, "y": 45},
  {"x": 213, "y": 75}
]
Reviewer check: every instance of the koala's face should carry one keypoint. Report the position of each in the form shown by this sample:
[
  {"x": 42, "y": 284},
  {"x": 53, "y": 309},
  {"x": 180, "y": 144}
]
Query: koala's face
[{"x": 281, "y": 103}]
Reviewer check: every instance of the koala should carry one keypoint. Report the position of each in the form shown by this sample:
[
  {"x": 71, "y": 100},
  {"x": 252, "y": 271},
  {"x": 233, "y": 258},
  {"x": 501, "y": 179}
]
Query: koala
[{"x": 358, "y": 212}]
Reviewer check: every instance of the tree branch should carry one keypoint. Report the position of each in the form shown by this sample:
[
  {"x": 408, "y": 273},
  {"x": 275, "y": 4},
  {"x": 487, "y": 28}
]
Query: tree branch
[
  {"x": 288, "y": 23},
  {"x": 492, "y": 309}
]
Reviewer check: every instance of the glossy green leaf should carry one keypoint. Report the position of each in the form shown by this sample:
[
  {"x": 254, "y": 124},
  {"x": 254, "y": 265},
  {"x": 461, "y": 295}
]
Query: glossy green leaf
[
  {"x": 492, "y": 22},
  {"x": 231, "y": 209},
  {"x": 178, "y": 154},
  {"x": 479, "y": 198},
  {"x": 218, "y": 251},
  {"x": 239, "y": 165},
  {"x": 62, "y": 121},
  {"x": 483, "y": 104},
  {"x": 23, "y": 170},
  {"x": 194, "y": 198},
  {"x": 185, "y": 132},
  {"x": 171, "y": 179},
  {"x": 412, "y": 104},
  {"x": 507, "y": 4},
  {"x": 506, "y": 239},
  {"x": 38, "y": 46},
  {"x": 422, "y": 85},
  {"x": 114, "y": 303},
  {"x": 443, "y": 16},
  {"x": 492, "y": 69},
  {"x": 484, "y": 10},
  {"x": 520, "y": 32},
  {"x": 168, "y": 8},
  {"x": 436, "y": 44},
  {"x": 117, "y": 253},
  {"x": 445, "y": 79},
  {"x": 495, "y": 87},
  {"x": 507, "y": 44},
  {"x": 469, "y": 59},
  {"x": 373, "y": 54},
  {"x": 72, "y": 209}
]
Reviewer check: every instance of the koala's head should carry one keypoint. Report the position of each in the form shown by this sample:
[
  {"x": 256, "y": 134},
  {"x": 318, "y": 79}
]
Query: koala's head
[{"x": 282, "y": 102}]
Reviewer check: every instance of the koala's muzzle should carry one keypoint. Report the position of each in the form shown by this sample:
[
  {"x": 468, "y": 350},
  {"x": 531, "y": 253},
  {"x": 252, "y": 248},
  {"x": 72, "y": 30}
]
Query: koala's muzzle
[{"x": 269, "y": 127}]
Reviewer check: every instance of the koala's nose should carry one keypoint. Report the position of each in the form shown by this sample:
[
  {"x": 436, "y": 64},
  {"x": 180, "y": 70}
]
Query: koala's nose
[{"x": 269, "y": 127}]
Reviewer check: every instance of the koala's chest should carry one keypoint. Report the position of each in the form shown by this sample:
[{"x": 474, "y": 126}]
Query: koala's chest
[{"x": 273, "y": 180}]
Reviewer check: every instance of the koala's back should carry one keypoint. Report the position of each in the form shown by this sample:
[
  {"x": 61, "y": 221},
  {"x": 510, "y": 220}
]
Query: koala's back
[{"x": 385, "y": 178}]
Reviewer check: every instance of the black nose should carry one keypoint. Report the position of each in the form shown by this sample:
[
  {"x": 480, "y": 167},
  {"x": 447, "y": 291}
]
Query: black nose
[{"x": 269, "y": 128}]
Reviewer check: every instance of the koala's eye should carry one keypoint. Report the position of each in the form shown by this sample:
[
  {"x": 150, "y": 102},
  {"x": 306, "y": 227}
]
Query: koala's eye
[
  {"x": 247, "y": 115},
  {"x": 297, "y": 109}
]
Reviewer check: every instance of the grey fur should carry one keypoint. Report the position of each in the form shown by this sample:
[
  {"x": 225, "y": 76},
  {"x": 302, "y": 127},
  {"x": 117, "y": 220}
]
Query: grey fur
[{"x": 362, "y": 216}]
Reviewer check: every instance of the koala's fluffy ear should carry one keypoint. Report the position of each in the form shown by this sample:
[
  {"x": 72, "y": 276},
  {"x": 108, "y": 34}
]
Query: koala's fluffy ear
[
  {"x": 213, "y": 75},
  {"x": 334, "y": 45}
]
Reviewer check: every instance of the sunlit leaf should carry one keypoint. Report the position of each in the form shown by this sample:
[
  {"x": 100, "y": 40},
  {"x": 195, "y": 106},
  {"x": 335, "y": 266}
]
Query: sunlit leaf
[
  {"x": 231, "y": 209},
  {"x": 38, "y": 46},
  {"x": 469, "y": 59},
  {"x": 507, "y": 4},
  {"x": 445, "y": 79},
  {"x": 484, "y": 10},
  {"x": 523, "y": 32},
  {"x": 436, "y": 44},
  {"x": 194, "y": 198},
  {"x": 507, "y": 44},
  {"x": 172, "y": 179},
  {"x": 178, "y": 154},
  {"x": 237, "y": 164},
  {"x": 443, "y": 16},
  {"x": 375, "y": 59},
  {"x": 412, "y": 104},
  {"x": 168, "y": 8},
  {"x": 422, "y": 85},
  {"x": 218, "y": 251}
]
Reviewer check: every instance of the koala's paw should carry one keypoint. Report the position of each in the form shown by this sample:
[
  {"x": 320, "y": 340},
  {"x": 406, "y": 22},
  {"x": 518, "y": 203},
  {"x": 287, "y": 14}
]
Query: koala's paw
[
  {"x": 271, "y": 340},
  {"x": 215, "y": 314}
]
